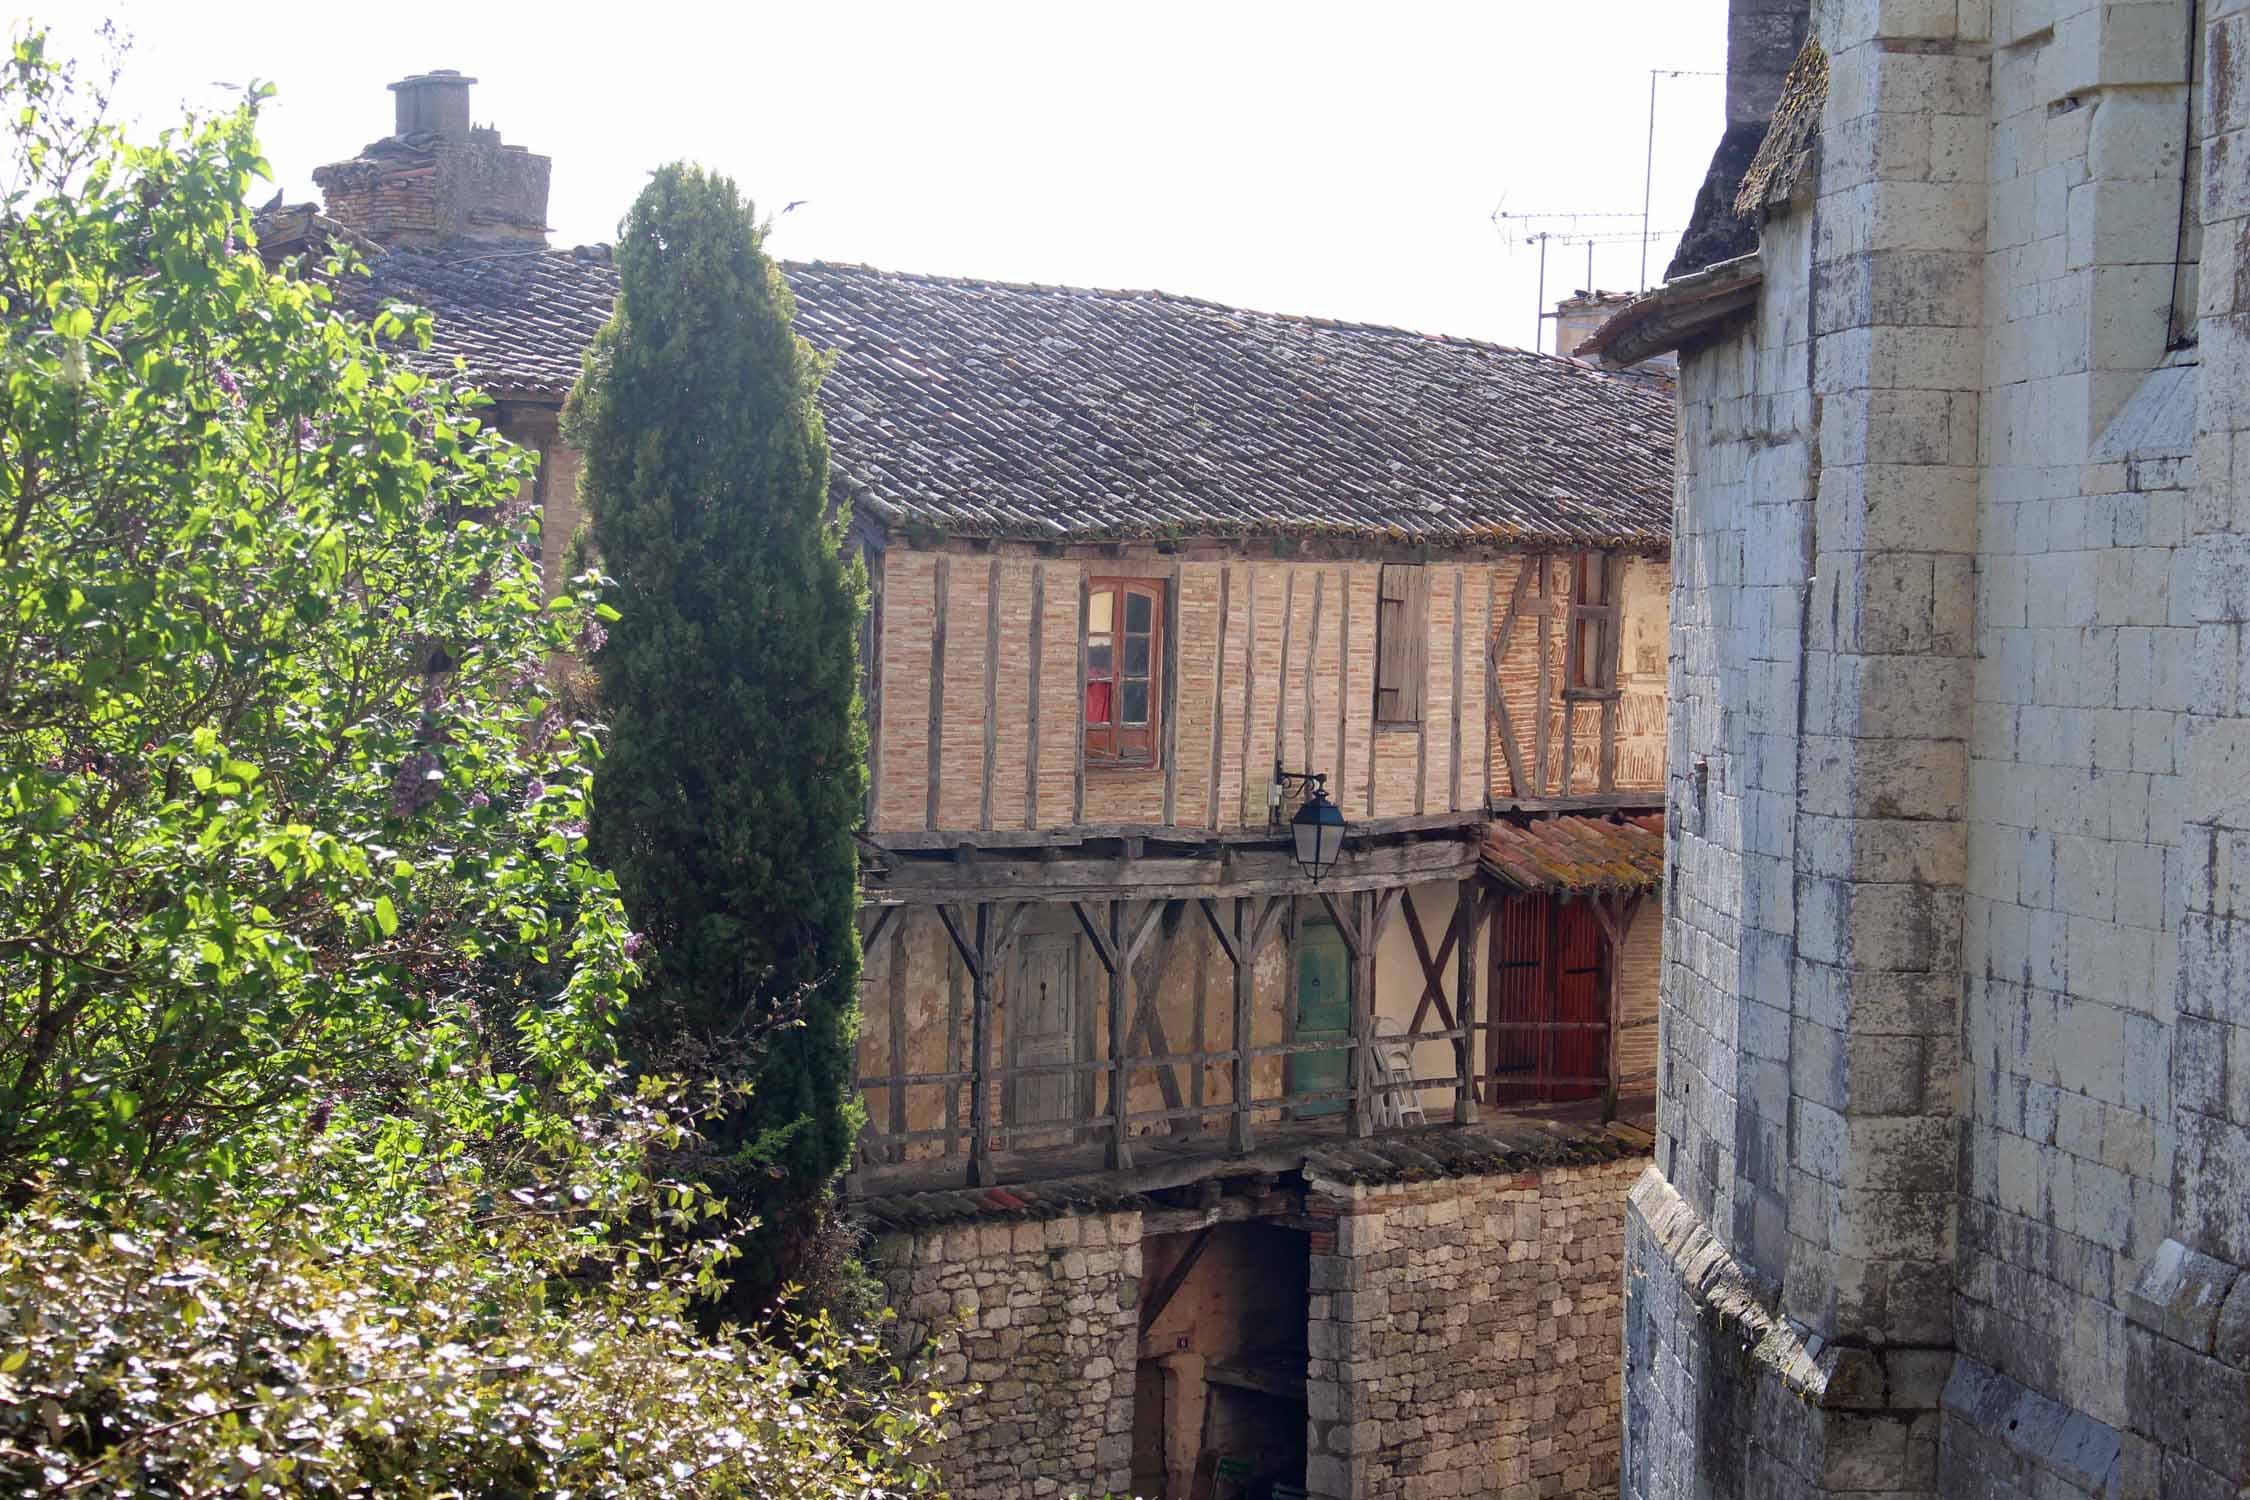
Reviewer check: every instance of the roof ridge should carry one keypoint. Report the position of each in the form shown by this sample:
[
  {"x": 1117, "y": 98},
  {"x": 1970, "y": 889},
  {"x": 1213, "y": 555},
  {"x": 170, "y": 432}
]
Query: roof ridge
[{"x": 1187, "y": 299}]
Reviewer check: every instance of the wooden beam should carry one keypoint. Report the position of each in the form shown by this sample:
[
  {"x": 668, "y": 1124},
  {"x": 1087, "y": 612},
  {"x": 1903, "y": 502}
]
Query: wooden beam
[
  {"x": 1245, "y": 973},
  {"x": 1148, "y": 1019},
  {"x": 872, "y": 689},
  {"x": 1346, "y": 918},
  {"x": 1151, "y": 918},
  {"x": 1312, "y": 661},
  {"x": 980, "y": 1048},
  {"x": 1281, "y": 687},
  {"x": 1038, "y": 671},
  {"x": 954, "y": 973},
  {"x": 1272, "y": 872},
  {"x": 1613, "y": 646},
  {"x": 1499, "y": 698},
  {"x": 1468, "y": 909},
  {"x": 1218, "y": 930},
  {"x": 1219, "y": 694},
  {"x": 1433, "y": 969},
  {"x": 1153, "y": 1307},
  {"x": 972, "y": 954},
  {"x": 896, "y": 1023},
  {"x": 1111, "y": 961},
  {"x": 1249, "y": 678},
  {"x": 1170, "y": 667},
  {"x": 1356, "y": 1121},
  {"x": 937, "y": 692},
  {"x": 1120, "y": 1153},
  {"x": 1546, "y": 679},
  {"x": 1343, "y": 681},
  {"x": 991, "y": 692},
  {"x": 1078, "y": 706},
  {"x": 1460, "y": 637},
  {"x": 873, "y": 931},
  {"x": 923, "y": 840}
]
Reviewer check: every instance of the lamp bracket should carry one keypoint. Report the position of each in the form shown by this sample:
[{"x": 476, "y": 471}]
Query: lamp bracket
[{"x": 1285, "y": 783}]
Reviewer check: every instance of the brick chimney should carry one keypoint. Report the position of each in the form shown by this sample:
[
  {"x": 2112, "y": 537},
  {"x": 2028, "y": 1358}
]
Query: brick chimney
[{"x": 438, "y": 177}]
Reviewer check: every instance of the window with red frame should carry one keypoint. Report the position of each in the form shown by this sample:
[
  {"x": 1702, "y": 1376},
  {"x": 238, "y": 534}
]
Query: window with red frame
[{"x": 1124, "y": 670}]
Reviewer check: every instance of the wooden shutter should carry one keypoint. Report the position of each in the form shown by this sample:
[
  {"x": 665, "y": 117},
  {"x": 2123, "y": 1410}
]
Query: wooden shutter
[
  {"x": 1591, "y": 646},
  {"x": 1402, "y": 643}
]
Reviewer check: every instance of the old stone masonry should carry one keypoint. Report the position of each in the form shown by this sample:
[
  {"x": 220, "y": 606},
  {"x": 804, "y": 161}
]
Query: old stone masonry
[{"x": 1952, "y": 1180}]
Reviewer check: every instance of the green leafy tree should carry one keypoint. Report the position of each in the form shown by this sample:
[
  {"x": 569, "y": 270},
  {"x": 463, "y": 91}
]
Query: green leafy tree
[
  {"x": 737, "y": 767},
  {"x": 319, "y": 1174}
]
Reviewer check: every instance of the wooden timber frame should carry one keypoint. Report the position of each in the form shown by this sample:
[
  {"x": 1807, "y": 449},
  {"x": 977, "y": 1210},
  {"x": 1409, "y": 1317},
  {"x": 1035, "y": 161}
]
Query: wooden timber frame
[{"x": 1128, "y": 899}]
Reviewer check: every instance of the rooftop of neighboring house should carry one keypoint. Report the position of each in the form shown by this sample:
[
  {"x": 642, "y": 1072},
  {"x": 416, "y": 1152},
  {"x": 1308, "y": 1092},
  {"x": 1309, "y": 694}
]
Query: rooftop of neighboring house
[{"x": 1003, "y": 410}]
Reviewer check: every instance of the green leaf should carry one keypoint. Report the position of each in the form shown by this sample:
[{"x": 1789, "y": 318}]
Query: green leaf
[{"x": 386, "y": 916}]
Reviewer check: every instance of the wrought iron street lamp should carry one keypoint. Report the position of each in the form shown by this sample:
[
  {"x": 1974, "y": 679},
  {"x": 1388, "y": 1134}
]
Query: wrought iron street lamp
[{"x": 1318, "y": 828}]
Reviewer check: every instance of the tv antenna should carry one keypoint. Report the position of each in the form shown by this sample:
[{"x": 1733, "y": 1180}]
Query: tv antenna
[
  {"x": 1648, "y": 165},
  {"x": 1570, "y": 228}
]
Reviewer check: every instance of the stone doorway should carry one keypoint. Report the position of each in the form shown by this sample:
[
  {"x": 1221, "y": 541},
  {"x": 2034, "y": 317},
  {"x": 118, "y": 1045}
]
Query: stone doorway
[{"x": 1219, "y": 1395}]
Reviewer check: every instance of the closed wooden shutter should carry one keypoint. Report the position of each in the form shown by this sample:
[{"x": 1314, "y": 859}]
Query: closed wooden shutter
[{"x": 1402, "y": 643}]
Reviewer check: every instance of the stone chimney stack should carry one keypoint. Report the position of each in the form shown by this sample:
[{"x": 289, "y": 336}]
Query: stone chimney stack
[
  {"x": 434, "y": 103},
  {"x": 439, "y": 178}
]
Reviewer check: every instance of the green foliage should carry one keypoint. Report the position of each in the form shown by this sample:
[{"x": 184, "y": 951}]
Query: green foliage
[
  {"x": 737, "y": 769},
  {"x": 281, "y": 1345},
  {"x": 319, "y": 1173}
]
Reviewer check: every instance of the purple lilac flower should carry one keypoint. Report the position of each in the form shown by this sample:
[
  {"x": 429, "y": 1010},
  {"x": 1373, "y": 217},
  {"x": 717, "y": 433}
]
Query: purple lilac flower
[
  {"x": 416, "y": 784},
  {"x": 634, "y": 943}
]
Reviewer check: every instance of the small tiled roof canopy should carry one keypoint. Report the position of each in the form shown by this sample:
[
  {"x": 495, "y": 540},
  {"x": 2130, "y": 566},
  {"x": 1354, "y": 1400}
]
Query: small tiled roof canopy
[
  {"x": 1575, "y": 852},
  {"x": 986, "y": 409}
]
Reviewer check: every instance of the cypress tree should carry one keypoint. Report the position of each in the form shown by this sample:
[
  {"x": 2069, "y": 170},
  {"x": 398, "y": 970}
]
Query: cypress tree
[{"x": 736, "y": 767}]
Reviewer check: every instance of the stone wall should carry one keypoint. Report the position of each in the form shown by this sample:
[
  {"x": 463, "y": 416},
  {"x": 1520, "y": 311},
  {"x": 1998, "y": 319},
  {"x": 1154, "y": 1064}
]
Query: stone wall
[
  {"x": 1464, "y": 1336},
  {"x": 1952, "y": 1123},
  {"x": 1035, "y": 1326}
]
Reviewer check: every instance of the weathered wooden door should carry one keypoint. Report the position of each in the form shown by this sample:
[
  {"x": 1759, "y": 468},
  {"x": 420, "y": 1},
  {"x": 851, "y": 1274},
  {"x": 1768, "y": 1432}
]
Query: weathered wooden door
[
  {"x": 1042, "y": 1031},
  {"x": 1324, "y": 1011},
  {"x": 1550, "y": 1003}
]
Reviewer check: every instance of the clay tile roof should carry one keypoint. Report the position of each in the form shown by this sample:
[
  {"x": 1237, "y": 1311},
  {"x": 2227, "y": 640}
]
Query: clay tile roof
[
  {"x": 1514, "y": 1144},
  {"x": 1577, "y": 853},
  {"x": 982, "y": 408},
  {"x": 1020, "y": 1200}
]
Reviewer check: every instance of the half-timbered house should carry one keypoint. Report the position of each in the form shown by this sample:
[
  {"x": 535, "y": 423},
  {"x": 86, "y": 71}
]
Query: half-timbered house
[{"x": 1199, "y": 1171}]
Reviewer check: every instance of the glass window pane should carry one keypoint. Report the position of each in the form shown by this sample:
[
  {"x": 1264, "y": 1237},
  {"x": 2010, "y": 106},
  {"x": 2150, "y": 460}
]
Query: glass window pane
[
  {"x": 1136, "y": 703},
  {"x": 1136, "y": 655},
  {"x": 1098, "y": 658},
  {"x": 1139, "y": 609},
  {"x": 1097, "y": 702},
  {"x": 1100, "y": 612}
]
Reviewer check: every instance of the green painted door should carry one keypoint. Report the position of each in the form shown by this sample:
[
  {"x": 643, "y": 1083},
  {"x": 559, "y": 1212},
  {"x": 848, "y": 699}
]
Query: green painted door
[{"x": 1324, "y": 1011}]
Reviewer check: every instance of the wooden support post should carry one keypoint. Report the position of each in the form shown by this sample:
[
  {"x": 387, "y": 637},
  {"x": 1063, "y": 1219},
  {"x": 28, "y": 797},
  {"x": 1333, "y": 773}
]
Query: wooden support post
[
  {"x": 895, "y": 1024},
  {"x": 1120, "y": 1146},
  {"x": 1465, "y": 913},
  {"x": 1359, "y": 1121},
  {"x": 975, "y": 957},
  {"x": 1244, "y": 955}
]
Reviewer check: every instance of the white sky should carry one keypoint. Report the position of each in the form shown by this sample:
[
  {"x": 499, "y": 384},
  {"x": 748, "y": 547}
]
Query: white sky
[{"x": 1341, "y": 159}]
